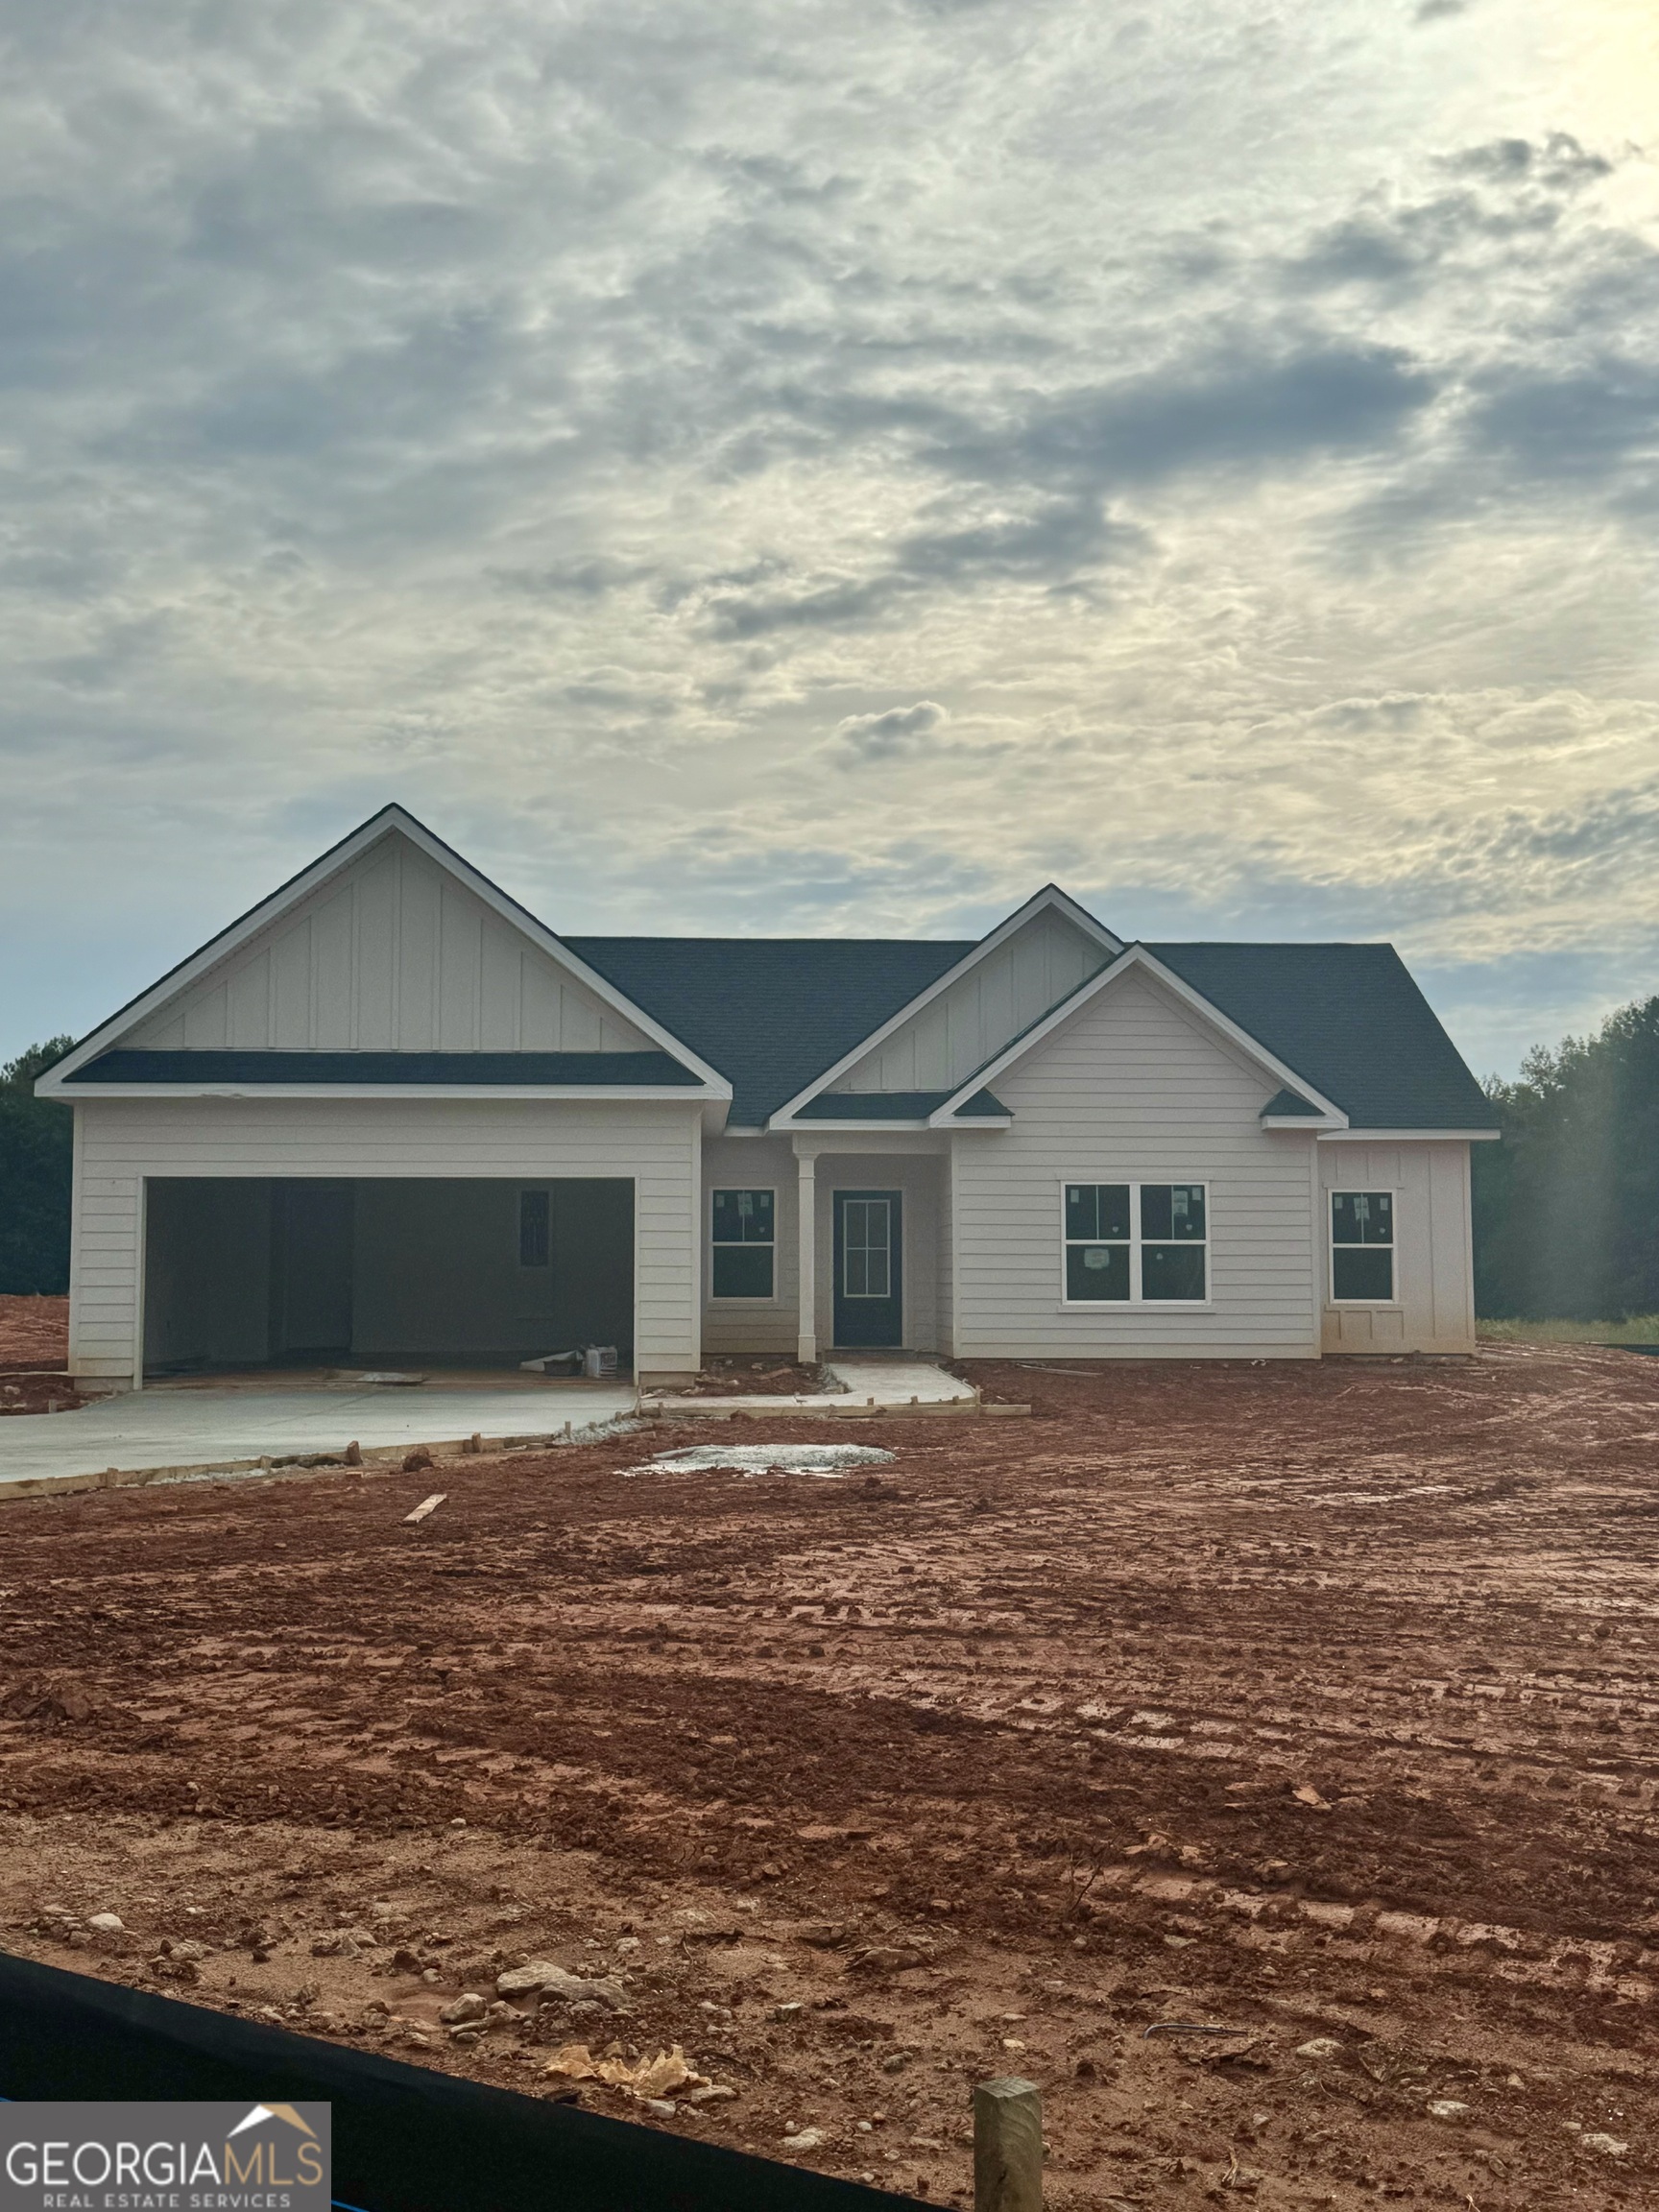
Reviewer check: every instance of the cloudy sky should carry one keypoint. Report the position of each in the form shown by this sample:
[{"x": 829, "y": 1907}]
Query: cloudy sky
[{"x": 831, "y": 466}]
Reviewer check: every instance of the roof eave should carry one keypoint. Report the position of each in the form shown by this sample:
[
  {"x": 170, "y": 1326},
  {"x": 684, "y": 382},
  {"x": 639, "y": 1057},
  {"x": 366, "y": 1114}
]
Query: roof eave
[{"x": 1366, "y": 1136}]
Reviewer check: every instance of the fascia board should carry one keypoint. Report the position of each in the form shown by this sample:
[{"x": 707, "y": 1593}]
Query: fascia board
[
  {"x": 1137, "y": 957},
  {"x": 1317, "y": 1123},
  {"x": 1353, "y": 1136},
  {"x": 655, "y": 1093},
  {"x": 1051, "y": 896},
  {"x": 313, "y": 877},
  {"x": 843, "y": 1128}
]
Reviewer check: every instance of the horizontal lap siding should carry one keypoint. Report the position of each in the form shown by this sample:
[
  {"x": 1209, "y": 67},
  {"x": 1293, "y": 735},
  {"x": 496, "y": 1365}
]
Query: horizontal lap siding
[
  {"x": 742, "y": 1325},
  {"x": 124, "y": 1140},
  {"x": 1134, "y": 1089}
]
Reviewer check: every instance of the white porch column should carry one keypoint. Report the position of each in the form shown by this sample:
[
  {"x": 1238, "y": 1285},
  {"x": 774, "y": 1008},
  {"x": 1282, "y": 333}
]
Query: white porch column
[{"x": 806, "y": 1241}]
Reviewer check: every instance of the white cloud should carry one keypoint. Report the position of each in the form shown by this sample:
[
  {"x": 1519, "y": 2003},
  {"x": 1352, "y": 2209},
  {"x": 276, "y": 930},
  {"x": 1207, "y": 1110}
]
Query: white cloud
[{"x": 1214, "y": 465}]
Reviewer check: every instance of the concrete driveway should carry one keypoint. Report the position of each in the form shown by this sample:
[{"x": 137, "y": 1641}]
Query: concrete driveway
[{"x": 202, "y": 1428}]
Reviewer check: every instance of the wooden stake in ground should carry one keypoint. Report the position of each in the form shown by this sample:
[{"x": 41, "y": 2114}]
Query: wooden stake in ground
[
  {"x": 426, "y": 1506},
  {"x": 1007, "y": 2147}
]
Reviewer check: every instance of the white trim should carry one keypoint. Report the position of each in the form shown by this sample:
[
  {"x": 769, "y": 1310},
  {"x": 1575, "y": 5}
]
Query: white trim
[
  {"x": 1307, "y": 1122},
  {"x": 1050, "y": 897},
  {"x": 140, "y": 1276},
  {"x": 1132, "y": 958},
  {"x": 1352, "y": 1135},
  {"x": 1135, "y": 1244},
  {"x": 851, "y": 1128},
  {"x": 726, "y": 1298},
  {"x": 1391, "y": 1192},
  {"x": 390, "y": 819}
]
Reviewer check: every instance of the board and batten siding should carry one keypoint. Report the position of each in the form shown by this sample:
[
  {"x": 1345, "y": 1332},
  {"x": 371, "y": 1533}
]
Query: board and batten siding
[
  {"x": 124, "y": 1142},
  {"x": 1134, "y": 1087},
  {"x": 1002, "y": 995},
  {"x": 1433, "y": 1306},
  {"x": 392, "y": 955}
]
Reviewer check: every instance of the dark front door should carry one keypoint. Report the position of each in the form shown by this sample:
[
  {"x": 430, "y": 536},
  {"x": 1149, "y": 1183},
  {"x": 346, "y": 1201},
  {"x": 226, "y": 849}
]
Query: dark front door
[{"x": 869, "y": 1267}]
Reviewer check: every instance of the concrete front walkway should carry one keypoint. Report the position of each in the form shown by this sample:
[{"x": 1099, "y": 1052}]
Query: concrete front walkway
[
  {"x": 881, "y": 1382},
  {"x": 203, "y": 1429}
]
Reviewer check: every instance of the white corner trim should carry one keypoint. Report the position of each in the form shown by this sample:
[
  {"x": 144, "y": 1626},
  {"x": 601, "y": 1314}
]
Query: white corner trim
[
  {"x": 1132, "y": 958},
  {"x": 287, "y": 896},
  {"x": 1049, "y": 897}
]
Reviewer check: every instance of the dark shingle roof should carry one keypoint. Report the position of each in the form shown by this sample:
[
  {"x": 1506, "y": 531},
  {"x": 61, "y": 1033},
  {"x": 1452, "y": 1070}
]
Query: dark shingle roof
[
  {"x": 1286, "y": 1102},
  {"x": 1350, "y": 1020},
  {"x": 770, "y": 1013},
  {"x": 254, "y": 1067}
]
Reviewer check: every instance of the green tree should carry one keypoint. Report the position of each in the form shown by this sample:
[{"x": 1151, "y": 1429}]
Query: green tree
[
  {"x": 36, "y": 1154},
  {"x": 1567, "y": 1207}
]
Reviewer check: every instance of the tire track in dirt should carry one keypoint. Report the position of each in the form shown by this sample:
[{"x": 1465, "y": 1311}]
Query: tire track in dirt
[{"x": 1329, "y": 1694}]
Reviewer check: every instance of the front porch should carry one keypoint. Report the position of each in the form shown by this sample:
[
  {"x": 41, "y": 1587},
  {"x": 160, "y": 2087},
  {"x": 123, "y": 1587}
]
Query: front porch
[{"x": 858, "y": 1228}]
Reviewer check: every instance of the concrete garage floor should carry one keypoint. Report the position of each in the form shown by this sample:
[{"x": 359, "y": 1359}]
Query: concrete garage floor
[{"x": 203, "y": 1426}]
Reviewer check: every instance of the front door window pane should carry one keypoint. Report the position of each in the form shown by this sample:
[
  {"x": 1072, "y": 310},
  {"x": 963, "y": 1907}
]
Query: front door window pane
[{"x": 866, "y": 1248}]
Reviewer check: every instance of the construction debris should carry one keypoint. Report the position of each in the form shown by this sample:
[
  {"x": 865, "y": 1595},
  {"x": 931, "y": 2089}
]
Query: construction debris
[
  {"x": 763, "y": 1459},
  {"x": 647, "y": 2078},
  {"x": 426, "y": 1506}
]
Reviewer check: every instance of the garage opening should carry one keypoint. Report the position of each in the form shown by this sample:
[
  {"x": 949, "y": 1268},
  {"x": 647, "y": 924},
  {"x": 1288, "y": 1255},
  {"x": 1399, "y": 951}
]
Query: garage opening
[{"x": 277, "y": 1272}]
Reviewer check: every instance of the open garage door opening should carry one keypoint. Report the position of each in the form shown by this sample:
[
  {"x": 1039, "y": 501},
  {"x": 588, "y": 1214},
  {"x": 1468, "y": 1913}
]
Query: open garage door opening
[{"x": 245, "y": 1272}]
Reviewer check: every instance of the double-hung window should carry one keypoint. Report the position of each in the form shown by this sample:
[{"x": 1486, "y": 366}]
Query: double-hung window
[
  {"x": 1362, "y": 1247},
  {"x": 745, "y": 1244},
  {"x": 1137, "y": 1243}
]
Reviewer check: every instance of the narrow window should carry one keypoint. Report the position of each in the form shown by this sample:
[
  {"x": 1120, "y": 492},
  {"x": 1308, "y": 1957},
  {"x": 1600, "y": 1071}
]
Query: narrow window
[
  {"x": 1097, "y": 1218},
  {"x": 1362, "y": 1246},
  {"x": 535, "y": 1211},
  {"x": 1173, "y": 1240},
  {"x": 745, "y": 1243}
]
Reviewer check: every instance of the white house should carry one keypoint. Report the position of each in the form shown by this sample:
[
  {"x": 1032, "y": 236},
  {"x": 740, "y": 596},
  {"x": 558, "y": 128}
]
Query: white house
[{"x": 389, "y": 1115}]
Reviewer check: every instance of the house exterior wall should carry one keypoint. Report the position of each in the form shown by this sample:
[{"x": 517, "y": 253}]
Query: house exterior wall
[
  {"x": 124, "y": 1142},
  {"x": 1004, "y": 994},
  {"x": 739, "y": 1325},
  {"x": 395, "y": 955},
  {"x": 1433, "y": 1307},
  {"x": 1134, "y": 1087}
]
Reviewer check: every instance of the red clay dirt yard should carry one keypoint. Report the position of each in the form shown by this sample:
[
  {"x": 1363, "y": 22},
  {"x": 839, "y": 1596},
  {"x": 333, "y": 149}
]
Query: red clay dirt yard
[{"x": 1311, "y": 1703}]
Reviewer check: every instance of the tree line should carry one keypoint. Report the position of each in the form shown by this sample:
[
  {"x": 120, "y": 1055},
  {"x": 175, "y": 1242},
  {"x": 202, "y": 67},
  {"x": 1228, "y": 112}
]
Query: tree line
[
  {"x": 36, "y": 1164},
  {"x": 1566, "y": 1208}
]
